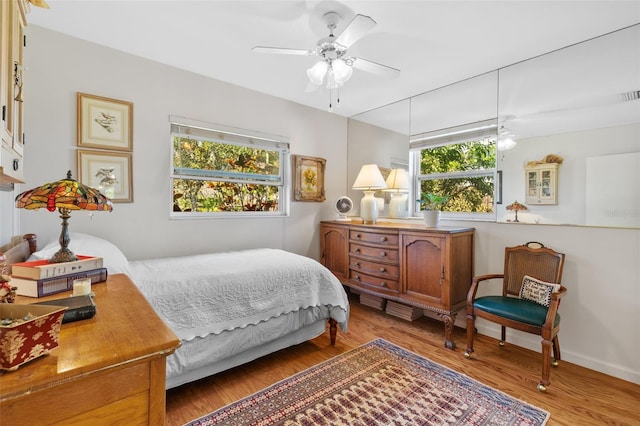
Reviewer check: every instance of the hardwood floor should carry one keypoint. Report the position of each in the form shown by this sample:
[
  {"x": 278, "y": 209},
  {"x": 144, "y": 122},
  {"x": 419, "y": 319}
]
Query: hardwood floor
[{"x": 576, "y": 396}]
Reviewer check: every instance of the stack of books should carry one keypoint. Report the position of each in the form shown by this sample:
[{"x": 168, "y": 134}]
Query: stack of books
[
  {"x": 406, "y": 312},
  {"x": 372, "y": 301},
  {"x": 40, "y": 278}
]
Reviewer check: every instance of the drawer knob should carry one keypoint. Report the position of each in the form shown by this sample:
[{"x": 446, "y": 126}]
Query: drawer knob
[
  {"x": 383, "y": 239},
  {"x": 383, "y": 254},
  {"x": 383, "y": 284},
  {"x": 357, "y": 264},
  {"x": 357, "y": 250},
  {"x": 357, "y": 278},
  {"x": 383, "y": 269},
  {"x": 358, "y": 236}
]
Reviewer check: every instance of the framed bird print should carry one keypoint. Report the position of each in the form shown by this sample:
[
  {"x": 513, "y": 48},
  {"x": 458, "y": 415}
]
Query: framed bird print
[
  {"x": 104, "y": 123},
  {"x": 109, "y": 172}
]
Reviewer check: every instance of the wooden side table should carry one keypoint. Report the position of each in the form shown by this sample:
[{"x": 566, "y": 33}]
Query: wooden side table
[{"x": 109, "y": 369}]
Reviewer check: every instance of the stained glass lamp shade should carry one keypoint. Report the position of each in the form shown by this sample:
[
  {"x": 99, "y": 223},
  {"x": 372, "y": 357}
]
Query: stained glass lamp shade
[{"x": 64, "y": 195}]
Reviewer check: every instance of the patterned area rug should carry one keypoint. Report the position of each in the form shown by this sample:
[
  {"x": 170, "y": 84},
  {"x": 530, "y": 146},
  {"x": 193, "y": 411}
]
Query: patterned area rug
[{"x": 377, "y": 384}]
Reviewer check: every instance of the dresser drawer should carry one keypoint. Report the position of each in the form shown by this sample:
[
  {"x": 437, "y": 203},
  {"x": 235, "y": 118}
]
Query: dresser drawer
[
  {"x": 374, "y": 253},
  {"x": 371, "y": 281},
  {"x": 374, "y": 238},
  {"x": 380, "y": 269},
  {"x": 83, "y": 396}
]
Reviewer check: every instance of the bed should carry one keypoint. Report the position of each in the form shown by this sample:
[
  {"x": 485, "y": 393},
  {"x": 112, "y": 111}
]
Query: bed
[{"x": 227, "y": 308}]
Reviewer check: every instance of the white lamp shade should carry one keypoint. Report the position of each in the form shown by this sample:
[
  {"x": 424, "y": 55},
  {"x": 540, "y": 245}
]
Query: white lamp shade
[
  {"x": 398, "y": 181},
  {"x": 317, "y": 72},
  {"x": 506, "y": 143},
  {"x": 369, "y": 178},
  {"x": 341, "y": 71},
  {"x": 506, "y": 140}
]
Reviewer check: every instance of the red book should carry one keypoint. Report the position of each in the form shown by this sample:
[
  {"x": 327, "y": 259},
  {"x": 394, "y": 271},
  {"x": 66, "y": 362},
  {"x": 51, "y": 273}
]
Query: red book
[{"x": 39, "y": 269}]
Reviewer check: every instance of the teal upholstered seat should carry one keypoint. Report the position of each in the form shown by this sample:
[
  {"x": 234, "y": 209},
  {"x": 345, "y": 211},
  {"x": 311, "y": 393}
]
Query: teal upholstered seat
[
  {"x": 542, "y": 266},
  {"x": 515, "y": 309}
]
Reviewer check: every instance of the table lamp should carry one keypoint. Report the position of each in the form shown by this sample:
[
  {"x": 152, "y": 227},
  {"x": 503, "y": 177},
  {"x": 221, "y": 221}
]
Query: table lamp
[
  {"x": 398, "y": 186},
  {"x": 517, "y": 207},
  {"x": 65, "y": 195},
  {"x": 369, "y": 180}
]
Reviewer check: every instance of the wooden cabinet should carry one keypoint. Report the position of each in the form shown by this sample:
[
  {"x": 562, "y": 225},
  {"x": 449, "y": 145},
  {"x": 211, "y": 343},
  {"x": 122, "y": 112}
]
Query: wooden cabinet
[
  {"x": 334, "y": 250},
  {"x": 412, "y": 264},
  {"x": 109, "y": 369},
  {"x": 12, "y": 42},
  {"x": 542, "y": 183}
]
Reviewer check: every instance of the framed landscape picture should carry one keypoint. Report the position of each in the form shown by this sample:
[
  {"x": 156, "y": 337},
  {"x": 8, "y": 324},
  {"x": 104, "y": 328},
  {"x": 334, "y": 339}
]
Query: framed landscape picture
[
  {"x": 109, "y": 172},
  {"x": 104, "y": 123},
  {"x": 308, "y": 178}
]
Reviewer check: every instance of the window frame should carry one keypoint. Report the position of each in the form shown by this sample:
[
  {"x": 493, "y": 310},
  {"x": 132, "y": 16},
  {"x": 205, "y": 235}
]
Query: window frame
[
  {"x": 452, "y": 136},
  {"x": 217, "y": 133}
]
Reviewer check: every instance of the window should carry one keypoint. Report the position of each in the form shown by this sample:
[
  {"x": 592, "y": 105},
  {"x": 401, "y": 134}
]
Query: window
[
  {"x": 220, "y": 171},
  {"x": 459, "y": 163}
]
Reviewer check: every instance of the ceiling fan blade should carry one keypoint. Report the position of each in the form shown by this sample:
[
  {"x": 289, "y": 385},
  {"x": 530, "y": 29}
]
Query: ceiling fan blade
[
  {"x": 358, "y": 27},
  {"x": 283, "y": 51},
  {"x": 375, "y": 68}
]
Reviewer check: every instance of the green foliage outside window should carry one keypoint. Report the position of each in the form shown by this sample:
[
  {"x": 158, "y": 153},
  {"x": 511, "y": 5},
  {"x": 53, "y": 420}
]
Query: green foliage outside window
[
  {"x": 450, "y": 170},
  {"x": 220, "y": 177}
]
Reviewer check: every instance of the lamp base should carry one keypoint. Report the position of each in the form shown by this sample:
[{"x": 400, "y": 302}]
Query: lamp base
[
  {"x": 369, "y": 208},
  {"x": 398, "y": 205},
  {"x": 63, "y": 255}
]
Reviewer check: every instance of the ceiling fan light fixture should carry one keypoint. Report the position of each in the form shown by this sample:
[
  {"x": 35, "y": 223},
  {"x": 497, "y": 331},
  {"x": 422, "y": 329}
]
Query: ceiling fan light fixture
[
  {"x": 506, "y": 139},
  {"x": 332, "y": 53},
  {"x": 317, "y": 72}
]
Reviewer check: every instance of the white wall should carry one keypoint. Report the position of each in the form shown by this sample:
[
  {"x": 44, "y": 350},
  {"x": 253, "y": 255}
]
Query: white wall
[
  {"x": 600, "y": 326},
  {"x": 59, "y": 66},
  {"x": 372, "y": 145}
]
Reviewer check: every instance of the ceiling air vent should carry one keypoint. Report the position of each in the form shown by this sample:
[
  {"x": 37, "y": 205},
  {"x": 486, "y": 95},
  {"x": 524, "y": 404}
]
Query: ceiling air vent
[{"x": 633, "y": 95}]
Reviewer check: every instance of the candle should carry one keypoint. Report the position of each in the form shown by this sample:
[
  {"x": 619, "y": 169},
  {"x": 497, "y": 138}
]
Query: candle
[{"x": 82, "y": 287}]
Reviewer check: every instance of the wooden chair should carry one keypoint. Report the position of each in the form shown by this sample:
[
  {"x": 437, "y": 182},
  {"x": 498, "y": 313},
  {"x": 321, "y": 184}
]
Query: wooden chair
[{"x": 510, "y": 310}]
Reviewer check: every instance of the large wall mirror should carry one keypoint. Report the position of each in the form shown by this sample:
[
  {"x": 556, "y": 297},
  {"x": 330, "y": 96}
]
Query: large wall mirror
[{"x": 576, "y": 107}]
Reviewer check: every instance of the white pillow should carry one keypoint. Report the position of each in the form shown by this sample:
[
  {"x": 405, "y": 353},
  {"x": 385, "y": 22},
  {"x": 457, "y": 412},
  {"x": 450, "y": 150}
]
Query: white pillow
[
  {"x": 89, "y": 245},
  {"x": 537, "y": 291}
]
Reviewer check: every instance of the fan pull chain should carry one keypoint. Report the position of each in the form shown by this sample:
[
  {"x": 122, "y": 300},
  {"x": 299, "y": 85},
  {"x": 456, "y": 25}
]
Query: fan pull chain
[{"x": 331, "y": 98}]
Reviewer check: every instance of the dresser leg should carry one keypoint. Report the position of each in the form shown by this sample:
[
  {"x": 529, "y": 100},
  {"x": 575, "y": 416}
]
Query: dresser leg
[{"x": 449, "y": 320}]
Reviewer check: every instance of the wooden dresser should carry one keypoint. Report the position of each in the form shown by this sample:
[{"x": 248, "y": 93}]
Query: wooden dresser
[
  {"x": 109, "y": 369},
  {"x": 430, "y": 268}
]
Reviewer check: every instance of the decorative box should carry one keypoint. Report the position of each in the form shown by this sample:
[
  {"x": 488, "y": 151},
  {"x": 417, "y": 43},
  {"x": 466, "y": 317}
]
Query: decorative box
[{"x": 35, "y": 333}]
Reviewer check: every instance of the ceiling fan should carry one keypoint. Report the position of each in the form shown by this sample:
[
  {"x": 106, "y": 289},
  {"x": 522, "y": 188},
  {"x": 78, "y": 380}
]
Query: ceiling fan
[{"x": 334, "y": 63}]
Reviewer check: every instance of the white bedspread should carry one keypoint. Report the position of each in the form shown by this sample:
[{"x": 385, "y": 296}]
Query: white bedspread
[{"x": 207, "y": 294}]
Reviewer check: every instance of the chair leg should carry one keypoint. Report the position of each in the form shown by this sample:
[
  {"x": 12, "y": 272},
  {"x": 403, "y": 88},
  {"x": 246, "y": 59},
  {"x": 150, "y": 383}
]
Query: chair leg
[
  {"x": 503, "y": 335},
  {"x": 556, "y": 351},
  {"x": 471, "y": 331},
  {"x": 546, "y": 365}
]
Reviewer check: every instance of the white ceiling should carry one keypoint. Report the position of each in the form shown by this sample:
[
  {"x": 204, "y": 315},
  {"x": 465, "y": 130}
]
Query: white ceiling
[{"x": 433, "y": 43}]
